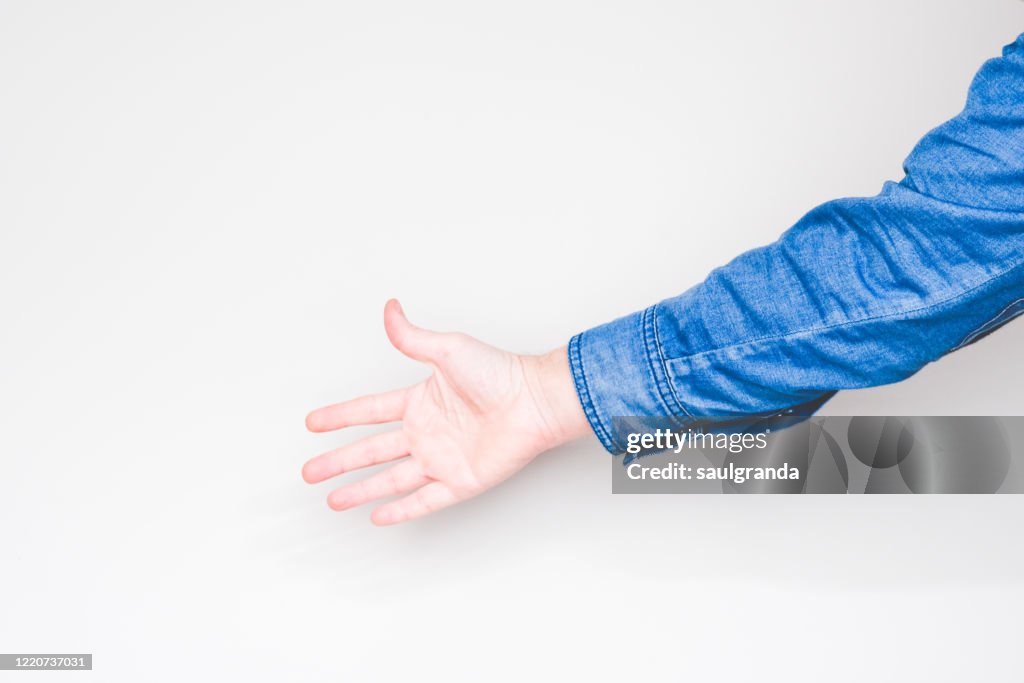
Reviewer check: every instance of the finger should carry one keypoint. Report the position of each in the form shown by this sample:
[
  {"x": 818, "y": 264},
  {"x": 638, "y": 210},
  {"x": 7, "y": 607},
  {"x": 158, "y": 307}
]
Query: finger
[
  {"x": 372, "y": 450},
  {"x": 414, "y": 342},
  {"x": 405, "y": 476},
  {"x": 365, "y": 410},
  {"x": 423, "y": 501}
]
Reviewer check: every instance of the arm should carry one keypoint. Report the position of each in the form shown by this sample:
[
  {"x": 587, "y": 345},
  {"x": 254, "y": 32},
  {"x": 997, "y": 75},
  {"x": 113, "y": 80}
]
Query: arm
[{"x": 859, "y": 292}]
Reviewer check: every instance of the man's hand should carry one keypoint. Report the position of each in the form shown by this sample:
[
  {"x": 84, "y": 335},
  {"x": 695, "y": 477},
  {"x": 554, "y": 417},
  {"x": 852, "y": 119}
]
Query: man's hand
[{"x": 480, "y": 417}]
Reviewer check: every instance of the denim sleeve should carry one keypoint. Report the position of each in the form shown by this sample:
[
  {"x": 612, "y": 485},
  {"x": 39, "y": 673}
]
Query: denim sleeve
[{"x": 860, "y": 292}]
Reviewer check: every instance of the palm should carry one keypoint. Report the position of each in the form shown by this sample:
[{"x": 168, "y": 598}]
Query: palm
[
  {"x": 473, "y": 423},
  {"x": 465, "y": 423}
]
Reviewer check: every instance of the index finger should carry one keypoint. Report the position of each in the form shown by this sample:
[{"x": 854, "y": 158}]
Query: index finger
[{"x": 365, "y": 410}]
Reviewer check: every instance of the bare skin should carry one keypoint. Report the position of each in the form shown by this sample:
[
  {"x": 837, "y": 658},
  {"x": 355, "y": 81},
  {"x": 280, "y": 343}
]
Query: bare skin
[{"x": 481, "y": 416}]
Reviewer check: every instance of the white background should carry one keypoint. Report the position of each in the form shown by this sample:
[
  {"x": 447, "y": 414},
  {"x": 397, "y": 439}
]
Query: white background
[{"x": 204, "y": 206}]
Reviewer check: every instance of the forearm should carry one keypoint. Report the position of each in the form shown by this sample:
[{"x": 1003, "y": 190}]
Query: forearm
[{"x": 859, "y": 292}]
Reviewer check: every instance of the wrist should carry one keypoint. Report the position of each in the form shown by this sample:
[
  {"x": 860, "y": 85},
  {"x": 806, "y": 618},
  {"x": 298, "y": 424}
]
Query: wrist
[{"x": 554, "y": 391}]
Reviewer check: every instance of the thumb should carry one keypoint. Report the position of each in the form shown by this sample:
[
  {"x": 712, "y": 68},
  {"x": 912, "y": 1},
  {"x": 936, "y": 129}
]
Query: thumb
[{"x": 414, "y": 342}]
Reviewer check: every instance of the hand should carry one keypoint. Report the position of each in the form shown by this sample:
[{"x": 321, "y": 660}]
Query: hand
[{"x": 479, "y": 418}]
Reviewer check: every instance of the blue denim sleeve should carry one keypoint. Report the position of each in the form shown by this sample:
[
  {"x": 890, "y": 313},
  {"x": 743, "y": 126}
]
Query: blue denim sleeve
[{"x": 860, "y": 292}]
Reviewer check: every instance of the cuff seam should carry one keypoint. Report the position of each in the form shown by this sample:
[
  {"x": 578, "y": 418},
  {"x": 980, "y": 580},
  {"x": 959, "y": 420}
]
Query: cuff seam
[
  {"x": 579, "y": 376},
  {"x": 657, "y": 366}
]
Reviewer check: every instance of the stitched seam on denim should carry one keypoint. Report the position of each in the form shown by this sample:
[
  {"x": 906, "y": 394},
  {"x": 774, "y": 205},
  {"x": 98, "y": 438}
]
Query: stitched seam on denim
[
  {"x": 579, "y": 378},
  {"x": 589, "y": 407},
  {"x": 645, "y": 332},
  {"x": 850, "y": 323},
  {"x": 990, "y": 324},
  {"x": 662, "y": 380},
  {"x": 664, "y": 365}
]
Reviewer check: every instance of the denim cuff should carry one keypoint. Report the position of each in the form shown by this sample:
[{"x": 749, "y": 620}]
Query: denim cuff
[{"x": 619, "y": 371}]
